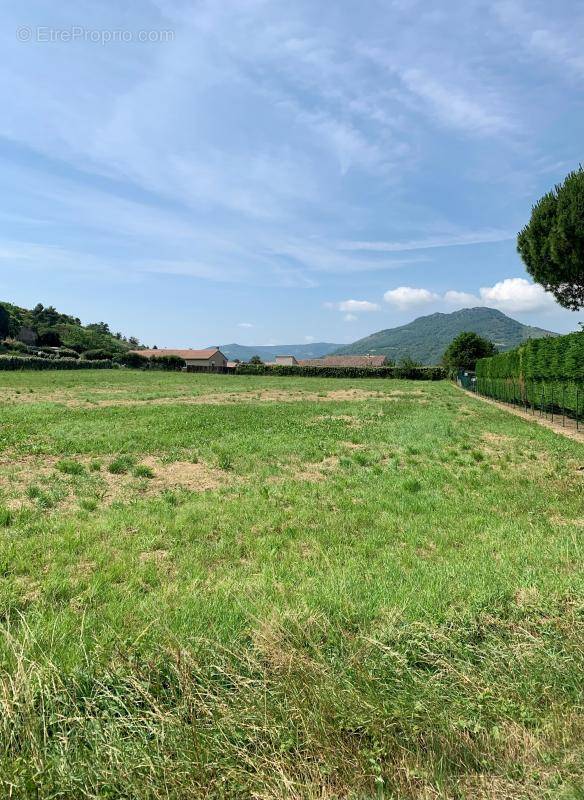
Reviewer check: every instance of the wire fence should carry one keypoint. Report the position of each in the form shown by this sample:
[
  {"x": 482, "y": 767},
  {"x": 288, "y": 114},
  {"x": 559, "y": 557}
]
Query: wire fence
[{"x": 560, "y": 401}]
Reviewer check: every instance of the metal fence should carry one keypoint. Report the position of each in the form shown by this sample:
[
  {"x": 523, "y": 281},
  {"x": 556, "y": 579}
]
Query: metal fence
[{"x": 555, "y": 399}]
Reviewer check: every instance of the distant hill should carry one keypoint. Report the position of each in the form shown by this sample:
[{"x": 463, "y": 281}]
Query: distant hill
[
  {"x": 426, "y": 338},
  {"x": 49, "y": 327},
  {"x": 268, "y": 353}
]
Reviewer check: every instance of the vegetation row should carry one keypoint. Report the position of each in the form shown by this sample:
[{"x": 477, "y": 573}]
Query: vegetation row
[
  {"x": 555, "y": 358},
  {"x": 409, "y": 372}
]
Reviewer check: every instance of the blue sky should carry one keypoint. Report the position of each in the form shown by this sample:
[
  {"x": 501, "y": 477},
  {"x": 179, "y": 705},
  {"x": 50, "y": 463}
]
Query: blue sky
[{"x": 275, "y": 172}]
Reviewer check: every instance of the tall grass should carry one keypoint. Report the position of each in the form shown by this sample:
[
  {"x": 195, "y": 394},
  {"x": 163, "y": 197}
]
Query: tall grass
[{"x": 383, "y": 598}]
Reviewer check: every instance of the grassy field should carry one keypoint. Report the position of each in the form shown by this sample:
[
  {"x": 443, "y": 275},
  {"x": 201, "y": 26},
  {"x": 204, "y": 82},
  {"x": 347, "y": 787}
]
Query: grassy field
[{"x": 230, "y": 587}]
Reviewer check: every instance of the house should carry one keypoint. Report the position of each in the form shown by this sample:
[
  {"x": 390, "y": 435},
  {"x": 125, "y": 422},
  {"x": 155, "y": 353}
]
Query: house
[
  {"x": 346, "y": 361},
  {"x": 284, "y": 361},
  {"x": 196, "y": 360}
]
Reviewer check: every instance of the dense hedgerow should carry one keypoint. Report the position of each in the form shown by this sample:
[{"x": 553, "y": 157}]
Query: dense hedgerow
[
  {"x": 12, "y": 363},
  {"x": 280, "y": 370},
  {"x": 553, "y": 358},
  {"x": 543, "y": 373}
]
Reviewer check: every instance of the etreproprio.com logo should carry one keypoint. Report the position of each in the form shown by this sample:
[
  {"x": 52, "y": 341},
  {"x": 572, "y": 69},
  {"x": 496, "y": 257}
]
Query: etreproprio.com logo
[{"x": 77, "y": 33}]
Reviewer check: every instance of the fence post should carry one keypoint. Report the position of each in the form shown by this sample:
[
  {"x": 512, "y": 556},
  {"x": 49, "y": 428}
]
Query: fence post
[{"x": 552, "y": 401}]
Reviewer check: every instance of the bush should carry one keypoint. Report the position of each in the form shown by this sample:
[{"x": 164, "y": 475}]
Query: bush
[
  {"x": 16, "y": 347},
  {"x": 168, "y": 363},
  {"x": 97, "y": 355},
  {"x": 133, "y": 360},
  {"x": 406, "y": 371},
  {"x": 12, "y": 363}
]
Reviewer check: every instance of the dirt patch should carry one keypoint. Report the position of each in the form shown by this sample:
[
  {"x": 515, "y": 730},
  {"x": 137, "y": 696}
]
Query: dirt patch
[
  {"x": 182, "y": 475},
  {"x": 157, "y": 556},
  {"x": 497, "y": 438},
  {"x": 317, "y": 472},
  {"x": 223, "y": 398},
  {"x": 313, "y": 472},
  {"x": 63, "y": 491}
]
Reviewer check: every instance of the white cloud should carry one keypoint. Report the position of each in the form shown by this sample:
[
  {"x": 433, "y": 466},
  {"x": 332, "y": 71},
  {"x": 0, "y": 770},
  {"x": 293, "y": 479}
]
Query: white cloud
[
  {"x": 449, "y": 240},
  {"x": 511, "y": 295},
  {"x": 244, "y": 325},
  {"x": 350, "y": 317},
  {"x": 516, "y": 295},
  {"x": 358, "y": 306},
  {"x": 405, "y": 297},
  {"x": 455, "y": 107},
  {"x": 462, "y": 299},
  {"x": 309, "y": 338}
]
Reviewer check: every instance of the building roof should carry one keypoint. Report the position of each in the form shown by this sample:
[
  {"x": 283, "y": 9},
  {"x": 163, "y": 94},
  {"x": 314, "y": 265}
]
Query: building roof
[
  {"x": 345, "y": 361},
  {"x": 188, "y": 355}
]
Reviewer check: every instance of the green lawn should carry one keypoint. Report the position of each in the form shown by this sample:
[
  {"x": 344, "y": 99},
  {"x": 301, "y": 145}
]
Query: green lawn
[{"x": 239, "y": 587}]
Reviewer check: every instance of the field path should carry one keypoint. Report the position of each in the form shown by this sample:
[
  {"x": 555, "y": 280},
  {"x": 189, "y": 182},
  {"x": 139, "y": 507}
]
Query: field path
[{"x": 568, "y": 429}]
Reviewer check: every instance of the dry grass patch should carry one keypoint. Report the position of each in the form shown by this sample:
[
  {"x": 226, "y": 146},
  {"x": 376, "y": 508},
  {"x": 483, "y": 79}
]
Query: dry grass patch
[{"x": 64, "y": 491}]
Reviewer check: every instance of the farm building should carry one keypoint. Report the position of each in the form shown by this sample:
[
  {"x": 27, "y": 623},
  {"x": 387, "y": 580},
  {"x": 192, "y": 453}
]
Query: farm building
[
  {"x": 211, "y": 358},
  {"x": 345, "y": 361},
  {"x": 285, "y": 361}
]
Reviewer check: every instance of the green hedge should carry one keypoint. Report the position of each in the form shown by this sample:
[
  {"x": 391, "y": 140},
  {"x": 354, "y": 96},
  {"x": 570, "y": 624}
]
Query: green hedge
[
  {"x": 542, "y": 373},
  {"x": 11, "y": 363},
  {"x": 412, "y": 373},
  {"x": 558, "y": 358}
]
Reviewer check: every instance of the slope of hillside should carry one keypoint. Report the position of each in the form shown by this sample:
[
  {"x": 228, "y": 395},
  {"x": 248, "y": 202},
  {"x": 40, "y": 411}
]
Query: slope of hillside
[
  {"x": 426, "y": 338},
  {"x": 47, "y": 326},
  {"x": 268, "y": 353}
]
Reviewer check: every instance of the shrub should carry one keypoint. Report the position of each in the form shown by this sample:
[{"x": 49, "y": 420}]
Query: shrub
[
  {"x": 133, "y": 360},
  {"x": 17, "y": 347},
  {"x": 97, "y": 355},
  {"x": 22, "y": 362},
  {"x": 411, "y": 372},
  {"x": 168, "y": 363}
]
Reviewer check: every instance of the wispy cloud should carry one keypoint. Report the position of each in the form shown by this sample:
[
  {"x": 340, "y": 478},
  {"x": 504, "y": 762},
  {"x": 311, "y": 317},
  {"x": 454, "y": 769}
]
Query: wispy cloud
[
  {"x": 457, "y": 240},
  {"x": 455, "y": 108}
]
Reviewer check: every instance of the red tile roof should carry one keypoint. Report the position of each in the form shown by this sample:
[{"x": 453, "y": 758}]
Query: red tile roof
[
  {"x": 345, "y": 361},
  {"x": 188, "y": 355}
]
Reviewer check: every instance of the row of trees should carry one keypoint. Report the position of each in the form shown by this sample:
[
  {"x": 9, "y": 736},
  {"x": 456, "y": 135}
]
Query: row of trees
[
  {"x": 44, "y": 326},
  {"x": 555, "y": 358}
]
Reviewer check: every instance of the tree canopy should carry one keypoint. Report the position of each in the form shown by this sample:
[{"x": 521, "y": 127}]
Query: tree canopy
[
  {"x": 4, "y": 322},
  {"x": 464, "y": 351},
  {"x": 552, "y": 243}
]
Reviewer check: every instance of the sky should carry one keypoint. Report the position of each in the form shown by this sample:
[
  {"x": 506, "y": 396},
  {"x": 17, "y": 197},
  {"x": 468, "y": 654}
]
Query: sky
[{"x": 197, "y": 172}]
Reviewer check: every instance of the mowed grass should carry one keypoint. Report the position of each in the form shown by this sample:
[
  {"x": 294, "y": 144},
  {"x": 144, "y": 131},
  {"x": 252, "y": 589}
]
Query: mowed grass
[{"x": 372, "y": 589}]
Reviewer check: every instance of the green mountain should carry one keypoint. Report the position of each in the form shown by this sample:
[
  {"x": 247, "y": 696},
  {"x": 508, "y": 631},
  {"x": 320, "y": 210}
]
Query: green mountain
[
  {"x": 268, "y": 353},
  {"x": 48, "y": 327},
  {"x": 426, "y": 338}
]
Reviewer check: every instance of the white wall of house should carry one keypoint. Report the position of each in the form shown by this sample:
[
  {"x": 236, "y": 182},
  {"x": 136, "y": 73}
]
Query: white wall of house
[{"x": 216, "y": 360}]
